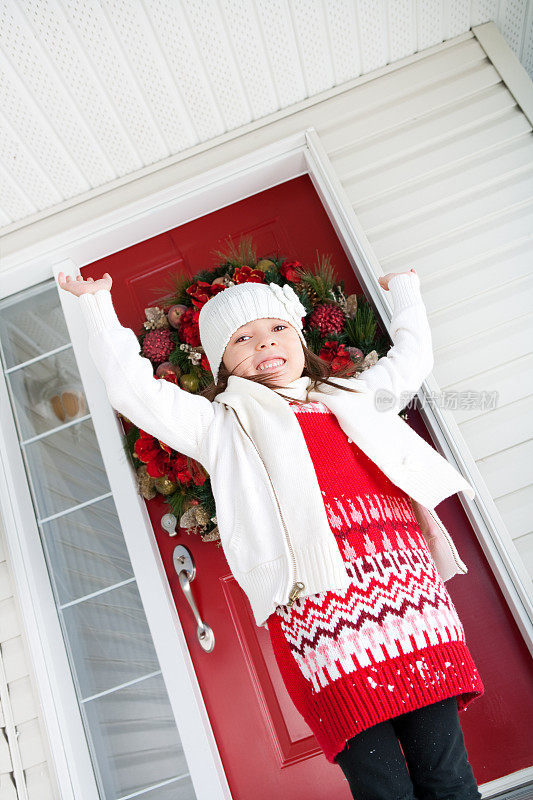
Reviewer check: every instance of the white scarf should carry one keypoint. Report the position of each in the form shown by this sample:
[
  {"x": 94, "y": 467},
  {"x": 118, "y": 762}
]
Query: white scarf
[
  {"x": 273, "y": 427},
  {"x": 404, "y": 456}
]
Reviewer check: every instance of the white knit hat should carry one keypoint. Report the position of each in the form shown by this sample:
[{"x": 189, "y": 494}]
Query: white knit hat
[{"x": 236, "y": 305}]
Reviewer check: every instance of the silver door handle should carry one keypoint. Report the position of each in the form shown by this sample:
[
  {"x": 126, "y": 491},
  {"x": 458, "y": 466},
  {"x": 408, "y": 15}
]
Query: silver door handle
[{"x": 186, "y": 569}]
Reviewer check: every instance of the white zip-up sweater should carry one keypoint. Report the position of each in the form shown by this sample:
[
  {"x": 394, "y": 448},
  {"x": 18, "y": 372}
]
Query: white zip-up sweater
[{"x": 271, "y": 518}]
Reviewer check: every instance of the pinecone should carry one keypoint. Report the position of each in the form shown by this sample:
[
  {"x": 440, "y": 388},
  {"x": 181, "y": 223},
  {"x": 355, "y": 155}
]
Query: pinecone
[
  {"x": 145, "y": 483},
  {"x": 312, "y": 295},
  {"x": 212, "y": 536},
  {"x": 195, "y": 516},
  {"x": 156, "y": 319},
  {"x": 351, "y": 305},
  {"x": 370, "y": 359},
  {"x": 328, "y": 318},
  {"x": 158, "y": 345}
]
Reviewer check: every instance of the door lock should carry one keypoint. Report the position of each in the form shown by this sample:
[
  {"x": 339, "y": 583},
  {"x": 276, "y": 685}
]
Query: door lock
[{"x": 169, "y": 523}]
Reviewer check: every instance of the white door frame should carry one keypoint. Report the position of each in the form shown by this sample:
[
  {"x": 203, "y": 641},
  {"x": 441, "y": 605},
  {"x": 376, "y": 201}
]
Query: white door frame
[{"x": 221, "y": 186}]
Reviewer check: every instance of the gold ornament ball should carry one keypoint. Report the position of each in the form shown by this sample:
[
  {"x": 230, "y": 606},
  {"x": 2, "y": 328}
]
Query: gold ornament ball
[
  {"x": 221, "y": 280},
  {"x": 164, "y": 485},
  {"x": 189, "y": 382},
  {"x": 264, "y": 264}
]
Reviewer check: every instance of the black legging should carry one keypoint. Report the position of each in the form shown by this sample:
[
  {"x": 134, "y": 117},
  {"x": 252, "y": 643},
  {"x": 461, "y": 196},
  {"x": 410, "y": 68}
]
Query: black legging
[{"x": 434, "y": 764}]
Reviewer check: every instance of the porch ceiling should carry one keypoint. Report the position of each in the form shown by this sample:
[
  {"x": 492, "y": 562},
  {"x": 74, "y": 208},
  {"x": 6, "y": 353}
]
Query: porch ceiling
[{"x": 92, "y": 91}]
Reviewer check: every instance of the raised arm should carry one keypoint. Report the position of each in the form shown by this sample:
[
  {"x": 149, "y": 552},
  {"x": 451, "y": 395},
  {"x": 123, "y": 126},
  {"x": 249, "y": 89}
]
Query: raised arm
[
  {"x": 410, "y": 359},
  {"x": 176, "y": 417}
]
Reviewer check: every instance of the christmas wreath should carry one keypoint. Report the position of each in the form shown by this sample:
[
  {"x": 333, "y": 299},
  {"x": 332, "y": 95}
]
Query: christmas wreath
[{"x": 339, "y": 329}]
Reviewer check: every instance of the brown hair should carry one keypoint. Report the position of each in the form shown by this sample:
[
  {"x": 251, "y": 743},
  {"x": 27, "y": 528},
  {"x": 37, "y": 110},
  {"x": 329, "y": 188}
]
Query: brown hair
[{"x": 316, "y": 368}]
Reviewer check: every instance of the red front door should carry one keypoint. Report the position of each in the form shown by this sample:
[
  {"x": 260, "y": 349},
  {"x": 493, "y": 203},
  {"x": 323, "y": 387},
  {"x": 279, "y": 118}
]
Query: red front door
[{"x": 266, "y": 747}]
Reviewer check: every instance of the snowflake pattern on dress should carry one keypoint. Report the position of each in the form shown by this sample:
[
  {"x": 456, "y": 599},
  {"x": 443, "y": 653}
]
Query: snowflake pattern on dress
[{"x": 392, "y": 641}]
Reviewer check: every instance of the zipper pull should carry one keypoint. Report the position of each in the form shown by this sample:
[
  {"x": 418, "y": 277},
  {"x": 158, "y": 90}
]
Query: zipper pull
[{"x": 295, "y": 591}]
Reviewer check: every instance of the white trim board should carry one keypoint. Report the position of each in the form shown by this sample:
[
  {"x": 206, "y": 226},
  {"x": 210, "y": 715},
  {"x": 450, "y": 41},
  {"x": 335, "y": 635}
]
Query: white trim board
[
  {"x": 199, "y": 195},
  {"x": 510, "y": 785},
  {"x": 192, "y": 721},
  {"x": 509, "y": 67}
]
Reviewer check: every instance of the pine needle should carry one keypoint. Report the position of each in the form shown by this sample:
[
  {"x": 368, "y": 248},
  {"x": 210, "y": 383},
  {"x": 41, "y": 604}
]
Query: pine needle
[
  {"x": 322, "y": 279},
  {"x": 240, "y": 254}
]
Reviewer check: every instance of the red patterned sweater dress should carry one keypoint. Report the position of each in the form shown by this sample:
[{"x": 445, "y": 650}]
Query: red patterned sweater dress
[{"x": 390, "y": 643}]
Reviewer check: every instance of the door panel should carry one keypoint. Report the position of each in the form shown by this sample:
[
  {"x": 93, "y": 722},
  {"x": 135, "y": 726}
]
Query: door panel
[{"x": 265, "y": 745}]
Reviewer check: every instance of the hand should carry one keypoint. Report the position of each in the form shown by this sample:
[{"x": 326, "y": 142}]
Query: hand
[
  {"x": 384, "y": 279},
  {"x": 79, "y": 286}
]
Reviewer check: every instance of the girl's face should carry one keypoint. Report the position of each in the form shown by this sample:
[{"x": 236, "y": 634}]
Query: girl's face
[{"x": 265, "y": 340}]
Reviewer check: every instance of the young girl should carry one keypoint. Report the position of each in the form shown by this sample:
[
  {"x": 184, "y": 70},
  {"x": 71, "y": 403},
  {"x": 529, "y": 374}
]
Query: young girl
[{"x": 313, "y": 474}]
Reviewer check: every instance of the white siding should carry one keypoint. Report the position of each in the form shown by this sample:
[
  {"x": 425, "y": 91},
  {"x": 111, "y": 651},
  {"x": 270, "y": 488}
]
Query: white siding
[
  {"x": 24, "y": 758},
  {"x": 437, "y": 160}
]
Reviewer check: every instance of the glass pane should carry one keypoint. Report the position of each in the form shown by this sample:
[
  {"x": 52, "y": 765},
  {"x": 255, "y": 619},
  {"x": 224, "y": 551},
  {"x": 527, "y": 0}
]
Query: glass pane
[
  {"x": 31, "y": 326},
  {"x": 138, "y": 743},
  {"x": 133, "y": 738},
  {"x": 47, "y": 393},
  {"x": 86, "y": 550},
  {"x": 182, "y": 789},
  {"x": 109, "y": 640},
  {"x": 66, "y": 468}
]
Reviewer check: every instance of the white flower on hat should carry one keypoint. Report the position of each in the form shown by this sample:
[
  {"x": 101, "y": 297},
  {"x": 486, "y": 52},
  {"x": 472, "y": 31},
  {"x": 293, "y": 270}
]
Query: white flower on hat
[{"x": 291, "y": 301}]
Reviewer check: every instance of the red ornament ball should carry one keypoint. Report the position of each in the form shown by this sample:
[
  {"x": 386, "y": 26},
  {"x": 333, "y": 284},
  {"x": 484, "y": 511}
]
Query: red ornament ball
[
  {"x": 158, "y": 345},
  {"x": 168, "y": 369},
  {"x": 355, "y": 353},
  {"x": 328, "y": 318}
]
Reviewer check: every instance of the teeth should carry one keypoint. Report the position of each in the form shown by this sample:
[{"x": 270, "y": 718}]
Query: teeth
[{"x": 271, "y": 363}]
